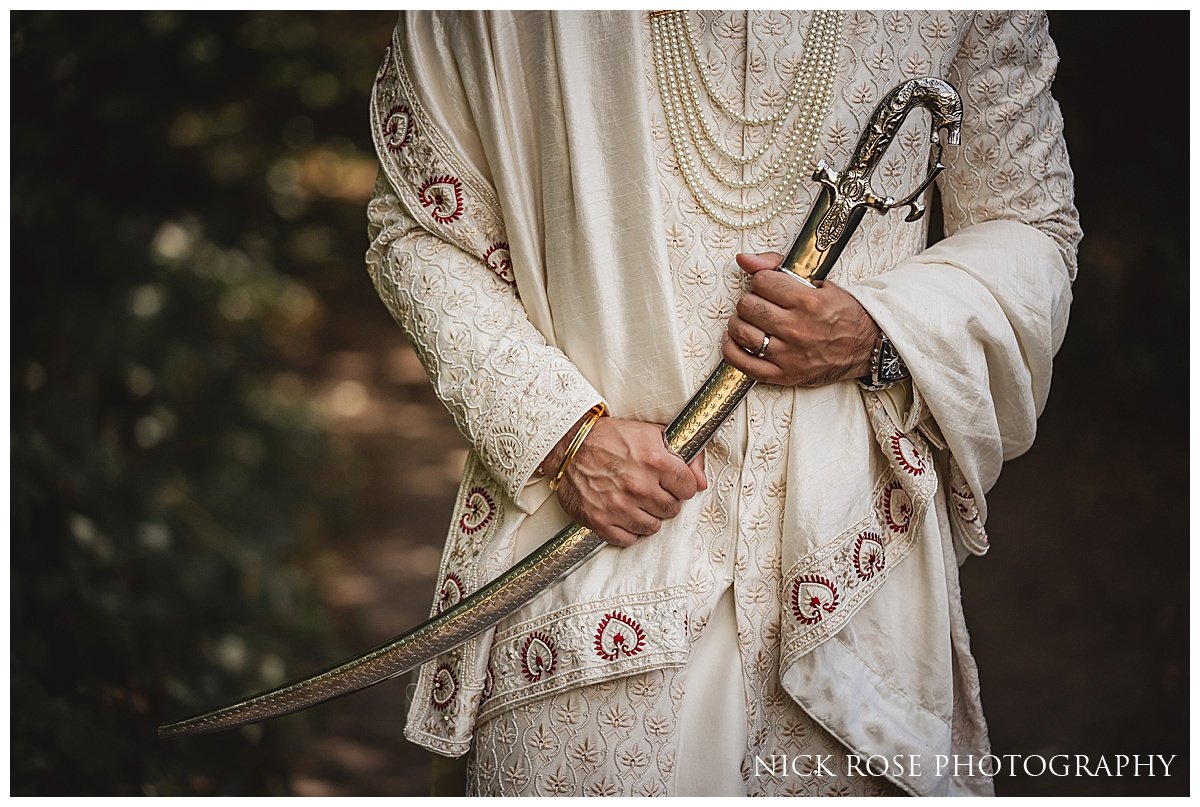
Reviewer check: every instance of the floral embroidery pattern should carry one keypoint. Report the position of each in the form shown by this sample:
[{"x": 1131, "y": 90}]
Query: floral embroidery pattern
[
  {"x": 965, "y": 519},
  {"x": 499, "y": 261},
  {"x": 450, "y": 592},
  {"x": 489, "y": 683},
  {"x": 445, "y": 686},
  {"x": 398, "y": 128},
  {"x": 444, "y": 196},
  {"x": 478, "y": 511},
  {"x": 619, "y": 635},
  {"x": 385, "y": 65},
  {"x": 444, "y": 193},
  {"x": 897, "y": 507},
  {"x": 868, "y": 555},
  {"x": 560, "y": 742},
  {"x": 538, "y": 657},
  {"x": 964, "y": 502},
  {"x": 496, "y": 358},
  {"x": 571, "y": 743},
  {"x": 906, "y": 454},
  {"x": 442, "y": 727},
  {"x": 855, "y": 563},
  {"x": 813, "y": 597},
  {"x": 586, "y": 643}
]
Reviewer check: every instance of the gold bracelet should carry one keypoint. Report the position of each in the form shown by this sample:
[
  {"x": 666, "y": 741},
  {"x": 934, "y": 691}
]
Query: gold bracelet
[{"x": 594, "y": 414}]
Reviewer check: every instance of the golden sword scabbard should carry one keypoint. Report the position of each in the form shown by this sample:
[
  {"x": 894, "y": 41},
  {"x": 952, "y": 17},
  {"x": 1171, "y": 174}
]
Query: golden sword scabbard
[{"x": 843, "y": 200}]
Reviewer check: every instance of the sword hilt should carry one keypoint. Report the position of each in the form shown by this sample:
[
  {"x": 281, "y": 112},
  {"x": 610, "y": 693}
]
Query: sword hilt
[{"x": 845, "y": 195}]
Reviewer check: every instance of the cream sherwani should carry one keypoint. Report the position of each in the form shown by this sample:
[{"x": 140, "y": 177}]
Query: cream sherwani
[{"x": 535, "y": 239}]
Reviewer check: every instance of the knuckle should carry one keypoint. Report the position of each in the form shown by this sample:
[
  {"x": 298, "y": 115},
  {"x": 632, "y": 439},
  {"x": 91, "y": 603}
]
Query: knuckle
[
  {"x": 769, "y": 285},
  {"x": 664, "y": 462},
  {"x": 687, "y": 483},
  {"x": 638, "y": 489},
  {"x": 652, "y": 456}
]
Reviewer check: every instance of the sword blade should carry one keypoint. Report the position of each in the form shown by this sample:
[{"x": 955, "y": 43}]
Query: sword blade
[
  {"x": 474, "y": 614},
  {"x": 553, "y": 560}
]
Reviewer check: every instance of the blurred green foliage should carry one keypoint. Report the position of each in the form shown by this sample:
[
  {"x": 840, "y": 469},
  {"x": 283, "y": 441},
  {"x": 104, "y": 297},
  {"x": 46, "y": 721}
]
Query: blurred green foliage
[{"x": 185, "y": 187}]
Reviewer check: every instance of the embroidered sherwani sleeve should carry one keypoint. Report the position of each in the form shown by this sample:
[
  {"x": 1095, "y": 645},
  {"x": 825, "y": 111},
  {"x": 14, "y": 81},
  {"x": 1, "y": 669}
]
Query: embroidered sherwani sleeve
[
  {"x": 439, "y": 259},
  {"x": 1013, "y": 162},
  {"x": 979, "y": 316}
]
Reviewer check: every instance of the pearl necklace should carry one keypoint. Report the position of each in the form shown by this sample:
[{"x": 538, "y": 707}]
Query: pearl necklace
[{"x": 677, "y": 61}]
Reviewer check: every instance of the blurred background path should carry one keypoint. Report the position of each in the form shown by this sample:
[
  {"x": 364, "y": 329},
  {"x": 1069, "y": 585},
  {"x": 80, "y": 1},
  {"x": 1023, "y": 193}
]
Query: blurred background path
[{"x": 379, "y": 577}]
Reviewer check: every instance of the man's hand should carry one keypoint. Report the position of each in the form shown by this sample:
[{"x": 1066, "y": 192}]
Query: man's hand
[
  {"x": 623, "y": 482},
  {"x": 818, "y": 336}
]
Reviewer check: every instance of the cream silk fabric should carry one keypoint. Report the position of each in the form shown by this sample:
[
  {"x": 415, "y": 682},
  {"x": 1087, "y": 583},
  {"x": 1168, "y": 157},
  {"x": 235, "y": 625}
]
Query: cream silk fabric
[{"x": 533, "y": 237}]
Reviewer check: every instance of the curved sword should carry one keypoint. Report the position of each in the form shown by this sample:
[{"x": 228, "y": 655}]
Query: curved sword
[{"x": 839, "y": 208}]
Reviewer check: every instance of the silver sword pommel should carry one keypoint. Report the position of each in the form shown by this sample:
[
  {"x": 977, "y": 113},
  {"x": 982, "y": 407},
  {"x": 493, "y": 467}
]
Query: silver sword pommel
[{"x": 845, "y": 195}]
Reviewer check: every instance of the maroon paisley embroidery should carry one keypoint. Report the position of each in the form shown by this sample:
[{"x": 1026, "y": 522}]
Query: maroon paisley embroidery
[
  {"x": 813, "y": 597},
  {"x": 478, "y": 511},
  {"x": 964, "y": 503},
  {"x": 619, "y": 635},
  {"x": 489, "y": 683},
  {"x": 499, "y": 261},
  {"x": 539, "y": 656},
  {"x": 897, "y": 507},
  {"x": 868, "y": 555},
  {"x": 906, "y": 454},
  {"x": 443, "y": 196},
  {"x": 450, "y": 592},
  {"x": 398, "y": 128},
  {"x": 445, "y": 686}
]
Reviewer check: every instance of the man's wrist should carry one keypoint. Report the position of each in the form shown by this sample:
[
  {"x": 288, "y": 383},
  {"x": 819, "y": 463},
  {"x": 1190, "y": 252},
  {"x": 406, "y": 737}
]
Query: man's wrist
[
  {"x": 554, "y": 459},
  {"x": 867, "y": 353}
]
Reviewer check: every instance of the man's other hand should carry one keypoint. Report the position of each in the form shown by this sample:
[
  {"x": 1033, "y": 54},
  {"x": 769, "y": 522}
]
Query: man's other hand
[
  {"x": 623, "y": 482},
  {"x": 817, "y": 336}
]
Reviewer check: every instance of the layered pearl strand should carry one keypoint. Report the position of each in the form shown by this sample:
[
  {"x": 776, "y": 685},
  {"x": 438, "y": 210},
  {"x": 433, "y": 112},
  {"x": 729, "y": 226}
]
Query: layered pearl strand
[{"x": 677, "y": 61}]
